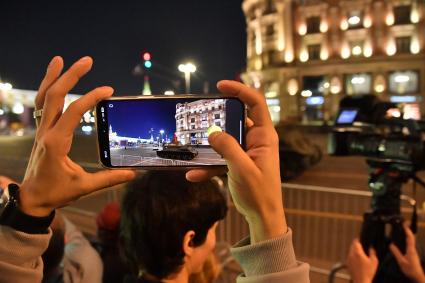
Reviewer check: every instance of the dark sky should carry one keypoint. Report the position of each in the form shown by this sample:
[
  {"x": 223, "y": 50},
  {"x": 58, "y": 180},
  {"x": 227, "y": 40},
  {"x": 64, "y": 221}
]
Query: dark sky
[
  {"x": 135, "y": 119},
  {"x": 210, "y": 33}
]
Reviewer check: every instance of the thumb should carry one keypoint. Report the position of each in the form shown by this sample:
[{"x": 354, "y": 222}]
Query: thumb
[
  {"x": 372, "y": 255},
  {"x": 108, "y": 178},
  {"x": 226, "y": 145}
]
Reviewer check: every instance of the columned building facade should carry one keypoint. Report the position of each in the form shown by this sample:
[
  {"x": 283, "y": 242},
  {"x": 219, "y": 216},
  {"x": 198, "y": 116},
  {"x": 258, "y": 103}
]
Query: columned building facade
[
  {"x": 306, "y": 55},
  {"x": 194, "y": 118}
]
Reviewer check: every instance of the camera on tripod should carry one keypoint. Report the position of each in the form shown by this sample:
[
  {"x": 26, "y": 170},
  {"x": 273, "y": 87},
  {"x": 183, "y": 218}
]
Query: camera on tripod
[
  {"x": 394, "y": 149},
  {"x": 376, "y": 130}
]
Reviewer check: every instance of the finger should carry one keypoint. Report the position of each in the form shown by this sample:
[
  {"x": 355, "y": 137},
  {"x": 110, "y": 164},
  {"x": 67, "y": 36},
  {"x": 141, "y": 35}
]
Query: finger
[
  {"x": 200, "y": 175},
  {"x": 372, "y": 255},
  {"x": 356, "y": 248},
  {"x": 249, "y": 122},
  {"x": 255, "y": 101},
  {"x": 226, "y": 145},
  {"x": 54, "y": 70},
  {"x": 55, "y": 95},
  {"x": 399, "y": 257},
  {"x": 410, "y": 238},
  {"x": 107, "y": 178},
  {"x": 72, "y": 116}
]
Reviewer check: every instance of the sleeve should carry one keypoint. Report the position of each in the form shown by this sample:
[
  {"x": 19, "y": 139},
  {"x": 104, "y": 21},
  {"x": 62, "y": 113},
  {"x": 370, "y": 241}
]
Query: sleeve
[
  {"x": 81, "y": 262},
  {"x": 20, "y": 255},
  {"x": 270, "y": 261}
]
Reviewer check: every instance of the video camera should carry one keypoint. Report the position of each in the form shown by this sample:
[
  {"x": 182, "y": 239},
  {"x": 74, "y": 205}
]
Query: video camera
[
  {"x": 376, "y": 130},
  {"x": 394, "y": 149}
]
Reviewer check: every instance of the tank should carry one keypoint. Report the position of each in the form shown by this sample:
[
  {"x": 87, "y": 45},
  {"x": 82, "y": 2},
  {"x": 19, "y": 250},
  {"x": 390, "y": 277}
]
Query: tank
[{"x": 180, "y": 152}]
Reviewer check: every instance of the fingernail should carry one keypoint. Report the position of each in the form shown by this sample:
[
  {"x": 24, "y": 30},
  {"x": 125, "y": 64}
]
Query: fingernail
[
  {"x": 213, "y": 135},
  {"x": 52, "y": 61},
  {"x": 85, "y": 59},
  {"x": 107, "y": 89}
]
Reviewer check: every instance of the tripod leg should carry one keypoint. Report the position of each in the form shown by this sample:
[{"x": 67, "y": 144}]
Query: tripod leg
[
  {"x": 372, "y": 232},
  {"x": 398, "y": 237}
]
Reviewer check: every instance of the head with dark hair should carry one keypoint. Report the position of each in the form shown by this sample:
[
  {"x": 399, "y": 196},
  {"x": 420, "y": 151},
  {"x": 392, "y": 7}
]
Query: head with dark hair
[{"x": 168, "y": 223}]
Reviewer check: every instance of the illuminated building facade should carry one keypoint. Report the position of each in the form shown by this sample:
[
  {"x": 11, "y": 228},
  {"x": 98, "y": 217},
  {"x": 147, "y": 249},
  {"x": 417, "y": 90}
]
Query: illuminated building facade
[
  {"x": 305, "y": 55},
  {"x": 193, "y": 120},
  {"x": 17, "y": 106}
]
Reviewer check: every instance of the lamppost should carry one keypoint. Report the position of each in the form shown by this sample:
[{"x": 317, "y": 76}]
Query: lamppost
[
  {"x": 162, "y": 134},
  {"x": 187, "y": 69}
]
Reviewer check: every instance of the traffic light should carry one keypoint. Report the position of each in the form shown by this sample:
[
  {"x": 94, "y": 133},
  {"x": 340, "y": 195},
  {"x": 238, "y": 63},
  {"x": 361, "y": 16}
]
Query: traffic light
[{"x": 147, "y": 60}]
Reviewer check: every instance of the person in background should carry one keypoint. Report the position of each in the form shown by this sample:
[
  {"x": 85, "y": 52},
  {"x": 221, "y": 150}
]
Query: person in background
[
  {"x": 363, "y": 267},
  {"x": 53, "y": 180},
  {"x": 108, "y": 230}
]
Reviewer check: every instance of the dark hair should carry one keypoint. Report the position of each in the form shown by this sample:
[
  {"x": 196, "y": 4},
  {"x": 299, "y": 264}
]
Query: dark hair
[{"x": 157, "y": 211}]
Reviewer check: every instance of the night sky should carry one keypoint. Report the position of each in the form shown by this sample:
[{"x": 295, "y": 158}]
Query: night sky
[
  {"x": 212, "y": 34},
  {"x": 135, "y": 119}
]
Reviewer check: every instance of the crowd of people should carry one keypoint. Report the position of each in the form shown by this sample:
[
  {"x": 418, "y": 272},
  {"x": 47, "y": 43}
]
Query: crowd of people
[{"x": 164, "y": 230}]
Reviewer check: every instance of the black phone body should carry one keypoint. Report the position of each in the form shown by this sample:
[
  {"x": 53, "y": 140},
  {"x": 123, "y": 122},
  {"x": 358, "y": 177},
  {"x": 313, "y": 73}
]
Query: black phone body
[{"x": 154, "y": 132}]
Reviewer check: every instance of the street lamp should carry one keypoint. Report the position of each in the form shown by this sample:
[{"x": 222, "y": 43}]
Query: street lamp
[
  {"x": 162, "y": 134},
  {"x": 187, "y": 69}
]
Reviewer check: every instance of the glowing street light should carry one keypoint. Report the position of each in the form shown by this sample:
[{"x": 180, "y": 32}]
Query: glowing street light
[
  {"x": 162, "y": 134},
  {"x": 187, "y": 69}
]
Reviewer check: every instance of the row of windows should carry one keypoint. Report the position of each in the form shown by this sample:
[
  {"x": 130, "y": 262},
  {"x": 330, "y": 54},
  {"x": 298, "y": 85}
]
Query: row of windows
[
  {"x": 355, "y": 19},
  {"x": 204, "y": 118},
  {"x": 403, "y": 46},
  {"x": 398, "y": 82},
  {"x": 203, "y": 126}
]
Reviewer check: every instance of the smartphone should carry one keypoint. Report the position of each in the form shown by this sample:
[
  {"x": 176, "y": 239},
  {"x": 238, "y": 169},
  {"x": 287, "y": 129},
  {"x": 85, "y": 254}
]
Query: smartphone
[{"x": 165, "y": 131}]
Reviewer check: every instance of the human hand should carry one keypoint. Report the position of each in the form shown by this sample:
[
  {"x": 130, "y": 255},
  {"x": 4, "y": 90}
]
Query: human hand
[
  {"x": 409, "y": 263},
  {"x": 52, "y": 179},
  {"x": 362, "y": 267},
  {"x": 254, "y": 175}
]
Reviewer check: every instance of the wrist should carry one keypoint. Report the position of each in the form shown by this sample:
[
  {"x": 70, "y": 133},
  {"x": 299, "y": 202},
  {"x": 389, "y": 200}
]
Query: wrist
[
  {"x": 13, "y": 216},
  {"x": 420, "y": 278},
  {"x": 267, "y": 227},
  {"x": 28, "y": 206}
]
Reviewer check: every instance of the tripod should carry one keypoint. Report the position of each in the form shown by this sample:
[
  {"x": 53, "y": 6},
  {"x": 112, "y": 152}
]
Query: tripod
[{"x": 384, "y": 223}]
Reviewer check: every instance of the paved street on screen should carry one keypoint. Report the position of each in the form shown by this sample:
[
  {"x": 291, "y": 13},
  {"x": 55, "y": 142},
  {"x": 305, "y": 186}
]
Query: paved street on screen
[{"x": 146, "y": 156}]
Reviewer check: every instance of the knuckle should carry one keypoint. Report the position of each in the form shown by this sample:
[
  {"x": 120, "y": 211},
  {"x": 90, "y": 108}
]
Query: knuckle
[
  {"x": 51, "y": 92},
  {"x": 76, "y": 108},
  {"x": 274, "y": 137},
  {"x": 47, "y": 141}
]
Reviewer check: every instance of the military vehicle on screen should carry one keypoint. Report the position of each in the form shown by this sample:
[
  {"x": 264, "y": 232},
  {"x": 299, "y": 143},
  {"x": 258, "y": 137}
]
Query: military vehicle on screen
[{"x": 180, "y": 152}]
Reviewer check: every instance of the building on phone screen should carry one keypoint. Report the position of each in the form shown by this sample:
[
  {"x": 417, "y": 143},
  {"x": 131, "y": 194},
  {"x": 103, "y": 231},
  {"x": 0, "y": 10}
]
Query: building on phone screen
[{"x": 194, "y": 118}]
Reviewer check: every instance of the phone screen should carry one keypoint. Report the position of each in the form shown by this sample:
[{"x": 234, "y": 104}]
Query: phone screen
[{"x": 165, "y": 132}]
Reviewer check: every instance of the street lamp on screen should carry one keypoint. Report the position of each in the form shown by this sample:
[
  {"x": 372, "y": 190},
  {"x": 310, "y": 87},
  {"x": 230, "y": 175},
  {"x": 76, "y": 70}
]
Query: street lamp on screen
[
  {"x": 187, "y": 69},
  {"x": 162, "y": 134}
]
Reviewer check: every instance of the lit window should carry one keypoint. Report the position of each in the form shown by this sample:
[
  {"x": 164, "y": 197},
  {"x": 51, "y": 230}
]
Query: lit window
[
  {"x": 356, "y": 50},
  {"x": 356, "y": 84},
  {"x": 403, "y": 82},
  {"x": 355, "y": 20}
]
